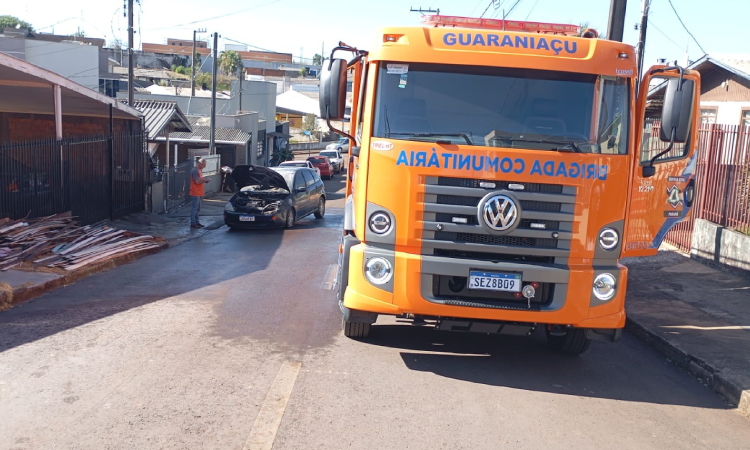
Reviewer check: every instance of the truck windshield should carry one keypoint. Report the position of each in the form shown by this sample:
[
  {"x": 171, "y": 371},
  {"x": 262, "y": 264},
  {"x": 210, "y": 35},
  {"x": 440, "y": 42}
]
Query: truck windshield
[{"x": 502, "y": 107}]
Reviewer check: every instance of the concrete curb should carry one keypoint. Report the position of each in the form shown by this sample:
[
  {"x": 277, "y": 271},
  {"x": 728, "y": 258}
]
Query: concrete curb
[
  {"x": 9, "y": 299},
  {"x": 706, "y": 373}
]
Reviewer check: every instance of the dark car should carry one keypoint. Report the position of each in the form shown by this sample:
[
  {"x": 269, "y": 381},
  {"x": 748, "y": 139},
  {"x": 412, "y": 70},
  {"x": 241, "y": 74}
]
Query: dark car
[
  {"x": 324, "y": 164},
  {"x": 274, "y": 197}
]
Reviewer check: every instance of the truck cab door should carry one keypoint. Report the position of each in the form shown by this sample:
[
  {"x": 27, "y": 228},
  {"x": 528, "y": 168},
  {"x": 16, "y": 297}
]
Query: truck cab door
[{"x": 663, "y": 183}]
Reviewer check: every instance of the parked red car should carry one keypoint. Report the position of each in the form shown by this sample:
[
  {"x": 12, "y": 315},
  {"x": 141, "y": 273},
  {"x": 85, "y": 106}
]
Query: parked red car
[{"x": 323, "y": 164}]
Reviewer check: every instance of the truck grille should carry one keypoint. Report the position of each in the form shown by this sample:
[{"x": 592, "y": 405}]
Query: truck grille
[{"x": 451, "y": 220}]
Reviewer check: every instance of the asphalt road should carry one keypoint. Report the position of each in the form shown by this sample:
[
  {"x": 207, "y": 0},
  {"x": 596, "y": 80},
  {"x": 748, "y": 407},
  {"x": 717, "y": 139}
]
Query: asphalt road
[{"x": 233, "y": 341}]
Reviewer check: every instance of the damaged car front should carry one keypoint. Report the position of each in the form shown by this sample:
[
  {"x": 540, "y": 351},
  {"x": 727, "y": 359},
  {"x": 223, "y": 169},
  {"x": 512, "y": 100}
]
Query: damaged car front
[{"x": 264, "y": 199}]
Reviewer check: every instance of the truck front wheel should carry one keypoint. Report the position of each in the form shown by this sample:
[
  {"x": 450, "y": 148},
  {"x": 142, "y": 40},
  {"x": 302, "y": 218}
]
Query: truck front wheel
[
  {"x": 357, "y": 330},
  {"x": 573, "y": 341}
]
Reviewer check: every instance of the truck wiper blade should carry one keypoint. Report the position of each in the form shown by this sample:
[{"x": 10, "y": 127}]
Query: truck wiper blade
[
  {"x": 572, "y": 144},
  {"x": 464, "y": 136}
]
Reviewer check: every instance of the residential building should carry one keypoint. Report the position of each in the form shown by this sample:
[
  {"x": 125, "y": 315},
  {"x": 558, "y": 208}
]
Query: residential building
[{"x": 725, "y": 89}]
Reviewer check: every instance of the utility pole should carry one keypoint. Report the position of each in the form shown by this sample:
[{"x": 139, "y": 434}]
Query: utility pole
[
  {"x": 642, "y": 38},
  {"x": 130, "y": 52},
  {"x": 192, "y": 80},
  {"x": 616, "y": 25},
  {"x": 240, "y": 77},
  {"x": 211, "y": 149}
]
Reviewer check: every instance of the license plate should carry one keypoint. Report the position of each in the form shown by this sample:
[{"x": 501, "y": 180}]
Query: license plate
[
  {"x": 247, "y": 218},
  {"x": 490, "y": 281}
]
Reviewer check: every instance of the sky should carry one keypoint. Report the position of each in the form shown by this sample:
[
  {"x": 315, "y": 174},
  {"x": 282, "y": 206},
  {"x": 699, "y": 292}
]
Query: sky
[{"x": 304, "y": 27}]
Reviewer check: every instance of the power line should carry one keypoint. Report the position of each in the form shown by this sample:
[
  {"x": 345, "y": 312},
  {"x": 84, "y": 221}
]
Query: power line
[
  {"x": 683, "y": 26},
  {"x": 532, "y": 10},
  {"x": 220, "y": 16},
  {"x": 651, "y": 22},
  {"x": 488, "y": 7},
  {"x": 511, "y": 9}
]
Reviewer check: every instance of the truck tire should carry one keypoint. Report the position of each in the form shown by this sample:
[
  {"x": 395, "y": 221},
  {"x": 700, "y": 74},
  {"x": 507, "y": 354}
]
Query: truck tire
[
  {"x": 356, "y": 330},
  {"x": 574, "y": 342}
]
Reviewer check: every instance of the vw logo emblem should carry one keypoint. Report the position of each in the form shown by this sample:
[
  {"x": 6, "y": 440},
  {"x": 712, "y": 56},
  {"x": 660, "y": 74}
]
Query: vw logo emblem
[{"x": 499, "y": 212}]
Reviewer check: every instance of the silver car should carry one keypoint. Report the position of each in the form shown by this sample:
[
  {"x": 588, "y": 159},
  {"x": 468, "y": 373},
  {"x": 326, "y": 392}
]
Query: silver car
[
  {"x": 342, "y": 145},
  {"x": 337, "y": 161}
]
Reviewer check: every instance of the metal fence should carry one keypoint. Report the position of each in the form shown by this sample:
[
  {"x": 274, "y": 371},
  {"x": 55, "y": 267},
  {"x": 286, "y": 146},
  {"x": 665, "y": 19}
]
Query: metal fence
[
  {"x": 177, "y": 185},
  {"x": 96, "y": 178},
  {"x": 722, "y": 182}
]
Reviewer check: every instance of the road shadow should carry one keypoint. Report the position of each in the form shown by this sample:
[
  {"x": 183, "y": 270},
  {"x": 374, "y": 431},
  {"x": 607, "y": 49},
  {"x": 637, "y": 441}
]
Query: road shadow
[
  {"x": 526, "y": 363},
  {"x": 192, "y": 266}
]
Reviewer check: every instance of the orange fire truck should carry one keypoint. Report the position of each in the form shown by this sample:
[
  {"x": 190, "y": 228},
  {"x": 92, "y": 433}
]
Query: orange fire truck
[{"x": 500, "y": 170}]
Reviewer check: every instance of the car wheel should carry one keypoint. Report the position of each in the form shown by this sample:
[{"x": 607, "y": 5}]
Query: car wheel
[
  {"x": 291, "y": 217},
  {"x": 321, "y": 211},
  {"x": 574, "y": 342}
]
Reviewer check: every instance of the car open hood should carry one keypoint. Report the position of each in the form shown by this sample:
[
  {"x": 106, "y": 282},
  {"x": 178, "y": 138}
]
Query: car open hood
[{"x": 247, "y": 175}]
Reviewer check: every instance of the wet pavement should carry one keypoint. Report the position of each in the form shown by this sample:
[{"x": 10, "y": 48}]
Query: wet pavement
[{"x": 233, "y": 341}]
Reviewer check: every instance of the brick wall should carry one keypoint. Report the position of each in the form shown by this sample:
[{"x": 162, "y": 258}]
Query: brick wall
[
  {"x": 24, "y": 127},
  {"x": 266, "y": 72}
]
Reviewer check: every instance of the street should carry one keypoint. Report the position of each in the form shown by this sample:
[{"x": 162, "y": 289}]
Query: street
[{"x": 233, "y": 340}]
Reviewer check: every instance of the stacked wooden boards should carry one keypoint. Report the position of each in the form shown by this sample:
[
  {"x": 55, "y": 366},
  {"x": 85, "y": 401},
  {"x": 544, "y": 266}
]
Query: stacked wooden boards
[{"x": 58, "y": 242}]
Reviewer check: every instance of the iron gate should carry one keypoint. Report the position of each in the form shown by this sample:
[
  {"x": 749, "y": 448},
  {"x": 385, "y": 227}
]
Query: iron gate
[
  {"x": 96, "y": 178},
  {"x": 177, "y": 182}
]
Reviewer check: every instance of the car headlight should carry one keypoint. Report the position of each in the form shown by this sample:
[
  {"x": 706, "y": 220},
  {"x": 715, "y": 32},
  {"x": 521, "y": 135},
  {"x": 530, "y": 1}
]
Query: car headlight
[
  {"x": 380, "y": 222},
  {"x": 229, "y": 207},
  {"x": 378, "y": 270},
  {"x": 605, "y": 286},
  {"x": 609, "y": 238}
]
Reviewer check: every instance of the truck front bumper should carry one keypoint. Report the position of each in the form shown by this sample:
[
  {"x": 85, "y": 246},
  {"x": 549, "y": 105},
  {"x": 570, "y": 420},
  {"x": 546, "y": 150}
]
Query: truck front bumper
[{"x": 415, "y": 288}]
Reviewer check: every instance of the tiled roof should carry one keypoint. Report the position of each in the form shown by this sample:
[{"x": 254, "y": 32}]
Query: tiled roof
[
  {"x": 157, "y": 114},
  {"x": 203, "y": 133}
]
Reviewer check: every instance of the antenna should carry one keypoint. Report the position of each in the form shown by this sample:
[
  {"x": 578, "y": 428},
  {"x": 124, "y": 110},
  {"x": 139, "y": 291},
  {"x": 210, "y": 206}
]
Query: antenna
[{"x": 422, "y": 11}]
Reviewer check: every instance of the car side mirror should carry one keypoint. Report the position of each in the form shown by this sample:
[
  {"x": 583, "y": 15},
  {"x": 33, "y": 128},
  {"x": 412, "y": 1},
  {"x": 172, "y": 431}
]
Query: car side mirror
[
  {"x": 333, "y": 90},
  {"x": 676, "y": 113}
]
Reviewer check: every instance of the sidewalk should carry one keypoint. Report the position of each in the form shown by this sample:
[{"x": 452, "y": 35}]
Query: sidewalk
[
  {"x": 175, "y": 227},
  {"x": 18, "y": 286},
  {"x": 698, "y": 317}
]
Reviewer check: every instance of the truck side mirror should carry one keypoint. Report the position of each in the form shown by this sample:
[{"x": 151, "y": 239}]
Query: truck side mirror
[
  {"x": 677, "y": 111},
  {"x": 333, "y": 90}
]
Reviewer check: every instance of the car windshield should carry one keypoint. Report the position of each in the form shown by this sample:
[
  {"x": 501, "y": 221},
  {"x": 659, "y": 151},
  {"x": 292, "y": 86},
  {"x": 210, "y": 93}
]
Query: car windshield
[
  {"x": 329, "y": 154},
  {"x": 317, "y": 160},
  {"x": 288, "y": 176},
  {"x": 343, "y": 141},
  {"x": 294, "y": 164},
  {"x": 502, "y": 107}
]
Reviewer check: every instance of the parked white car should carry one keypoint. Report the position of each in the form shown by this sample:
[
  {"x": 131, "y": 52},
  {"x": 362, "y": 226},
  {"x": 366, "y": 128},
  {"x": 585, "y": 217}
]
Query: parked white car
[
  {"x": 342, "y": 145},
  {"x": 307, "y": 164},
  {"x": 337, "y": 161}
]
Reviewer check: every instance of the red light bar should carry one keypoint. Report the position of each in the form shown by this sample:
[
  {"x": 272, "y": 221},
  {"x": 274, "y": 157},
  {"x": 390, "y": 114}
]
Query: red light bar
[{"x": 499, "y": 24}]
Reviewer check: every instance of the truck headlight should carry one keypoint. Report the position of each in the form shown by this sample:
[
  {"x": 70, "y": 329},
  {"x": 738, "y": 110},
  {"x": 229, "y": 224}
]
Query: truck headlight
[
  {"x": 605, "y": 286},
  {"x": 380, "y": 222},
  {"x": 378, "y": 270},
  {"x": 609, "y": 238}
]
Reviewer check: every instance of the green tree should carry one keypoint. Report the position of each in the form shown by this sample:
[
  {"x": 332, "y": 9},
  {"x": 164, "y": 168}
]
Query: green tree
[
  {"x": 318, "y": 60},
  {"x": 310, "y": 123},
  {"x": 181, "y": 70},
  {"x": 197, "y": 59},
  {"x": 230, "y": 62},
  {"x": 302, "y": 71},
  {"x": 79, "y": 34},
  {"x": 11, "y": 22}
]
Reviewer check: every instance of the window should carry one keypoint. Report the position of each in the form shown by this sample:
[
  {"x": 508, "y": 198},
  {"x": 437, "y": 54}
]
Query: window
[
  {"x": 504, "y": 107},
  {"x": 708, "y": 116},
  {"x": 299, "y": 181},
  {"x": 745, "y": 118},
  {"x": 316, "y": 177},
  {"x": 309, "y": 181}
]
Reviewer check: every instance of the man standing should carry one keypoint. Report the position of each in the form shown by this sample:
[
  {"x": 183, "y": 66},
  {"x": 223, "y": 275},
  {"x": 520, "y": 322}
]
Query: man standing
[{"x": 197, "y": 192}]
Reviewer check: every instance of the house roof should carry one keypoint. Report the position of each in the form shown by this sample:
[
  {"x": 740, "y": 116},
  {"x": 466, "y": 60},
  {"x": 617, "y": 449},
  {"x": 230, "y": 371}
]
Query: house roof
[
  {"x": 26, "y": 88},
  {"x": 736, "y": 64},
  {"x": 202, "y": 134},
  {"x": 293, "y": 102},
  {"x": 160, "y": 114}
]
